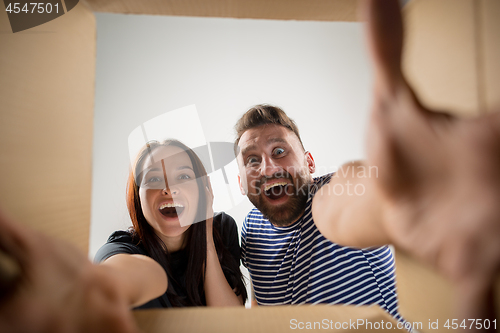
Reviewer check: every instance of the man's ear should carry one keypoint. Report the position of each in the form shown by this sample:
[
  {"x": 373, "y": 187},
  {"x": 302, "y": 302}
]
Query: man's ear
[
  {"x": 242, "y": 187},
  {"x": 311, "y": 165}
]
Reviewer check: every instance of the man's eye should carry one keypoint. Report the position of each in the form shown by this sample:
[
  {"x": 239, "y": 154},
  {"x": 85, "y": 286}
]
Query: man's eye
[
  {"x": 252, "y": 160},
  {"x": 278, "y": 151}
]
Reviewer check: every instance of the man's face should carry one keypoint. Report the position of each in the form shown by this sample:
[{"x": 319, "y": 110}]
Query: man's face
[{"x": 275, "y": 172}]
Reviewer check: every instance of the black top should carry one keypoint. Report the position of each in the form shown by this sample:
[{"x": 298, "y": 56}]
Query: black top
[{"x": 122, "y": 242}]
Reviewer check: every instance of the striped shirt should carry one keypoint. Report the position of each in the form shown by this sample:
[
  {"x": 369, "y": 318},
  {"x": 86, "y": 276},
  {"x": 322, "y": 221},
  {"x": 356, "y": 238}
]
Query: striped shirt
[{"x": 297, "y": 265}]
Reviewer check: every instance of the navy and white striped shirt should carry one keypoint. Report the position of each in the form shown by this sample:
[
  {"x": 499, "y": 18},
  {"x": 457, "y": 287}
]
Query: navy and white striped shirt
[{"x": 297, "y": 265}]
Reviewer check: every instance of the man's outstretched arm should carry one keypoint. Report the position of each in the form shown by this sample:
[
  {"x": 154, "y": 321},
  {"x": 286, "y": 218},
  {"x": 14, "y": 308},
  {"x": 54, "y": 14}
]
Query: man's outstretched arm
[
  {"x": 349, "y": 209},
  {"x": 437, "y": 189}
]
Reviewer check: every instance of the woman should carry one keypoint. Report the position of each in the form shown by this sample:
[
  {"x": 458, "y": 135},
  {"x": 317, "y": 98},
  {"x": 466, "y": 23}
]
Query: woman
[{"x": 177, "y": 253}]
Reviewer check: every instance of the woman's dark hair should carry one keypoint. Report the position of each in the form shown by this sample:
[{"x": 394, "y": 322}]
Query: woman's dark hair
[{"x": 196, "y": 240}]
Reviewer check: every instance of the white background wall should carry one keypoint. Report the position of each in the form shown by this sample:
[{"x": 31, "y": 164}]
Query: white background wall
[{"x": 318, "y": 72}]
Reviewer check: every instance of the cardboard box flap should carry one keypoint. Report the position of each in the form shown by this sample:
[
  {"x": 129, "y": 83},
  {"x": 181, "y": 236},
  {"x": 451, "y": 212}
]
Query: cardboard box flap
[
  {"x": 274, "y": 319},
  {"x": 302, "y": 10}
]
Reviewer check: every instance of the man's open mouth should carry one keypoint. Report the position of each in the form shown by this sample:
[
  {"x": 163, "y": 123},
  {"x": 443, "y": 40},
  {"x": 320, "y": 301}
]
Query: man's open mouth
[
  {"x": 171, "y": 210},
  {"x": 276, "y": 191}
]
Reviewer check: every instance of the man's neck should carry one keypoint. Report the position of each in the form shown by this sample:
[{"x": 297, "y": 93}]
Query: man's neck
[{"x": 288, "y": 224}]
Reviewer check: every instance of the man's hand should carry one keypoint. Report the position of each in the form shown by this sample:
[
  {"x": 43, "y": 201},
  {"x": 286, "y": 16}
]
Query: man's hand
[
  {"x": 439, "y": 176},
  {"x": 57, "y": 288}
]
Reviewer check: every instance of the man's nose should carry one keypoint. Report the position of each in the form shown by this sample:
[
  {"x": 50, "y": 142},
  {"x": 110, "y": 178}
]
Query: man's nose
[{"x": 269, "y": 167}]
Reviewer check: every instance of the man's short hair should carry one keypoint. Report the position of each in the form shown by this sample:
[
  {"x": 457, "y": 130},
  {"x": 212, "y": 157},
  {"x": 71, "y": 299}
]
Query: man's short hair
[{"x": 264, "y": 114}]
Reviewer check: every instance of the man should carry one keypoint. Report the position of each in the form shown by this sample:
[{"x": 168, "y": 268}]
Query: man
[
  {"x": 435, "y": 196},
  {"x": 289, "y": 260}
]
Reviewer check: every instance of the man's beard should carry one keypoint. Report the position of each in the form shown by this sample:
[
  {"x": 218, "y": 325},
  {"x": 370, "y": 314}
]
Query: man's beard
[{"x": 284, "y": 214}]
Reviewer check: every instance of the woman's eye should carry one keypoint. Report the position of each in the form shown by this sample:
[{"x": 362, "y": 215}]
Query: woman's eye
[
  {"x": 184, "y": 176},
  {"x": 278, "y": 151},
  {"x": 154, "y": 179}
]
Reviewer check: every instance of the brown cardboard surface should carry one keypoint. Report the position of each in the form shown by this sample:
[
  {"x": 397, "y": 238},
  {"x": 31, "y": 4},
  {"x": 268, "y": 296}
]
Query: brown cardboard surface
[
  {"x": 489, "y": 14},
  {"x": 425, "y": 295},
  {"x": 47, "y": 79},
  {"x": 273, "y": 319},
  {"x": 440, "y": 56},
  {"x": 317, "y": 10}
]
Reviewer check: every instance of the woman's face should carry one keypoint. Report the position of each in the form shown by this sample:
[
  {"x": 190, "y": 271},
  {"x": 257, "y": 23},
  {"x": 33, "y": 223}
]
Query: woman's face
[{"x": 169, "y": 192}]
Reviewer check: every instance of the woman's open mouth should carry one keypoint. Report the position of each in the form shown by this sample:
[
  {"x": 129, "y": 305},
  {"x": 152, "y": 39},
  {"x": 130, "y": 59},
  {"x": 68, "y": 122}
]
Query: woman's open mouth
[{"x": 171, "y": 210}]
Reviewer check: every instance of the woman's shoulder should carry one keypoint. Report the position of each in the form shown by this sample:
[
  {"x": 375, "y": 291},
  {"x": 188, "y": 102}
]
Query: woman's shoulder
[
  {"x": 120, "y": 236},
  {"x": 119, "y": 242},
  {"x": 228, "y": 231},
  {"x": 224, "y": 222}
]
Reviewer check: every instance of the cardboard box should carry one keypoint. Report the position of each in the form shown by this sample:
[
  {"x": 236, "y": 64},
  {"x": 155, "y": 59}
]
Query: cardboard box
[
  {"x": 268, "y": 319},
  {"x": 47, "y": 77}
]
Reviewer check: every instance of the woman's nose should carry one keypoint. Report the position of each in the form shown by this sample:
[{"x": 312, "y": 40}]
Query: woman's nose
[{"x": 167, "y": 190}]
